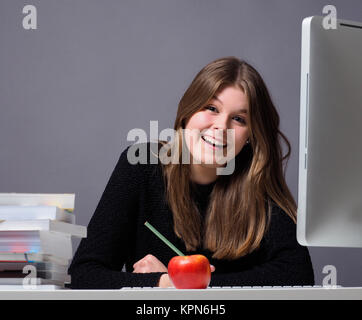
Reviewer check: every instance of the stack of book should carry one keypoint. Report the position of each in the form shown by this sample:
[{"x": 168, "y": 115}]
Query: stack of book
[{"x": 36, "y": 232}]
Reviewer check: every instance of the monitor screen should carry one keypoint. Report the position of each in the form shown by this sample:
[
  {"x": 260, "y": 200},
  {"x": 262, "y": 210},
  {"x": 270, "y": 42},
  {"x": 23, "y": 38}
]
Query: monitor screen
[{"x": 330, "y": 153}]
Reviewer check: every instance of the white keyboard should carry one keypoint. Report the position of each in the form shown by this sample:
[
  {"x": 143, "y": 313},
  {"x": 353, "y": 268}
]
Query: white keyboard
[
  {"x": 233, "y": 287},
  {"x": 247, "y": 293}
]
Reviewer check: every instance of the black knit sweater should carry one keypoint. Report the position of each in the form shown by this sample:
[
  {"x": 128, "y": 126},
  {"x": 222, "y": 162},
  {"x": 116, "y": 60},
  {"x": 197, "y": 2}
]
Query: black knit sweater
[{"x": 117, "y": 236}]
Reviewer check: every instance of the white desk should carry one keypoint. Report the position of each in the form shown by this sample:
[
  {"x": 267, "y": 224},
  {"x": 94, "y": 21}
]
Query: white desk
[{"x": 340, "y": 293}]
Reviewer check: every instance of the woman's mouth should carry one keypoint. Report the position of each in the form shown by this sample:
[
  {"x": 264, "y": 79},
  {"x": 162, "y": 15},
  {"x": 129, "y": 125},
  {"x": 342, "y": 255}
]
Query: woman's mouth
[{"x": 213, "y": 142}]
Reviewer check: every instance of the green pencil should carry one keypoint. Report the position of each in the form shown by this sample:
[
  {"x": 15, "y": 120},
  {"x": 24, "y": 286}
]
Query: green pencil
[{"x": 163, "y": 239}]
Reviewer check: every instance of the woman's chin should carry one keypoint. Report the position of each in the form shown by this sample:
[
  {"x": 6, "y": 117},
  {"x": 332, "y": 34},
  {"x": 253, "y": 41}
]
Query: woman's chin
[{"x": 211, "y": 163}]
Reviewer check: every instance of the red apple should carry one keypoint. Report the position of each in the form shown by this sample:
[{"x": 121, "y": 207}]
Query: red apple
[{"x": 189, "y": 272}]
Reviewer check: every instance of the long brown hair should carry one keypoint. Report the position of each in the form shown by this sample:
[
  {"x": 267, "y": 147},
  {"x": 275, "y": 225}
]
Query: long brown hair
[{"x": 240, "y": 204}]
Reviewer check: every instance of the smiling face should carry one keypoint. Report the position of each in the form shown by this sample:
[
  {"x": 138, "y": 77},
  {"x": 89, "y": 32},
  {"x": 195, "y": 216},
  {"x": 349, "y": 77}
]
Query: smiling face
[{"x": 207, "y": 132}]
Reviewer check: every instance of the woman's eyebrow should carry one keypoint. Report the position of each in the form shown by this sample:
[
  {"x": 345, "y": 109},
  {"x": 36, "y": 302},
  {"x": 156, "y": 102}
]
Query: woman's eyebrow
[
  {"x": 216, "y": 98},
  {"x": 237, "y": 111}
]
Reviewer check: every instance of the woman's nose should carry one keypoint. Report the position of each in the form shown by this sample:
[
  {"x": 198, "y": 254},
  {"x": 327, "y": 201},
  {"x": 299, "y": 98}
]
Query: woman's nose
[{"x": 221, "y": 122}]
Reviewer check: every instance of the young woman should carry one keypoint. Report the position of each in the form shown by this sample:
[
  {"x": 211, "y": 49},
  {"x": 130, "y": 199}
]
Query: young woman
[{"x": 243, "y": 222}]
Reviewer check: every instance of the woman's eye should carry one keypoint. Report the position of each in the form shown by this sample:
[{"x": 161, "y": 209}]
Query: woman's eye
[
  {"x": 211, "y": 108},
  {"x": 240, "y": 119}
]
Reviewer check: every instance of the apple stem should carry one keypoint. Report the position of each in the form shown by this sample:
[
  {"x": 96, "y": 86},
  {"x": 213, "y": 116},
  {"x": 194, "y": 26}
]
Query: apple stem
[{"x": 164, "y": 239}]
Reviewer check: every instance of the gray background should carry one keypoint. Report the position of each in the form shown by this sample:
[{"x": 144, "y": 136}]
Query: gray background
[{"x": 71, "y": 90}]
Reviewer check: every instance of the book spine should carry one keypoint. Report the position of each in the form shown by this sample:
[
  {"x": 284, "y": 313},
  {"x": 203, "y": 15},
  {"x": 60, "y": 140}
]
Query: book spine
[{"x": 64, "y": 201}]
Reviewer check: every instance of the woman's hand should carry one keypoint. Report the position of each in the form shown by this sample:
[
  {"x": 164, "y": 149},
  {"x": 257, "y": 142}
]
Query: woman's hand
[
  {"x": 165, "y": 281},
  {"x": 149, "y": 263}
]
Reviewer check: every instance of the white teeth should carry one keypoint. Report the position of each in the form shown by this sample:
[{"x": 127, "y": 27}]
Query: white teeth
[{"x": 212, "y": 142}]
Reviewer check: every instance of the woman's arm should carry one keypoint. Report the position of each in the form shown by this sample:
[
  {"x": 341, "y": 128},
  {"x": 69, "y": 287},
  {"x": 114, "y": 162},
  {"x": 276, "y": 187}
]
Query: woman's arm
[
  {"x": 287, "y": 263},
  {"x": 111, "y": 234}
]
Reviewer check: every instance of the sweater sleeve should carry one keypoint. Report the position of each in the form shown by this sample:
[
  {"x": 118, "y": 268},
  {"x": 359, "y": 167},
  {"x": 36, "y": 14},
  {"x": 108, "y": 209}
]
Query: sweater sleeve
[
  {"x": 287, "y": 263},
  {"x": 98, "y": 261}
]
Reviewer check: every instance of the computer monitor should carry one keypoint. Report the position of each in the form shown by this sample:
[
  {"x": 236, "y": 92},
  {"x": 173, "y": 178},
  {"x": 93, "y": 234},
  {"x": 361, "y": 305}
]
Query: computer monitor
[{"x": 330, "y": 152}]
